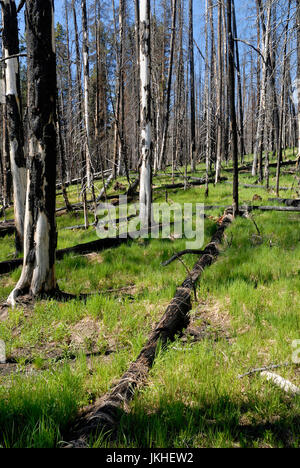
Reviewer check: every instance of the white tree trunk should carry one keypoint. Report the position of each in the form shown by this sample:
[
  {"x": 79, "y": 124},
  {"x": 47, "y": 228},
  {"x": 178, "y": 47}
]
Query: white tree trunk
[
  {"x": 86, "y": 67},
  {"x": 262, "y": 105},
  {"x": 14, "y": 116},
  {"x": 146, "y": 131}
]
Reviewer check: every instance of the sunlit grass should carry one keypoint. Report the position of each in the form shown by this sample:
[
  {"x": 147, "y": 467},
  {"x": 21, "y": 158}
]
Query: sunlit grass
[{"x": 193, "y": 397}]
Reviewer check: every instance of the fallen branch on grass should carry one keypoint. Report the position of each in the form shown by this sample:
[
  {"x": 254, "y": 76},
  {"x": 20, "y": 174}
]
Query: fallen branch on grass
[
  {"x": 262, "y": 369},
  {"x": 180, "y": 254},
  {"x": 279, "y": 381},
  {"x": 104, "y": 413}
]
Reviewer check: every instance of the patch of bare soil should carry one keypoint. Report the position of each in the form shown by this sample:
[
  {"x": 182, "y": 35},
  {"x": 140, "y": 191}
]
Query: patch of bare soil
[
  {"x": 209, "y": 320},
  {"x": 94, "y": 258},
  {"x": 27, "y": 305},
  {"x": 85, "y": 334}
]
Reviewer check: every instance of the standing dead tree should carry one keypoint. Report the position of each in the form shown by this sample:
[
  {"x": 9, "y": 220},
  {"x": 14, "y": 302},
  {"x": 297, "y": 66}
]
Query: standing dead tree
[
  {"x": 10, "y": 38},
  {"x": 38, "y": 274}
]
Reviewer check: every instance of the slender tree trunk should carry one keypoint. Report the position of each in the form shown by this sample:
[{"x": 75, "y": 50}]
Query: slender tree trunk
[
  {"x": 262, "y": 106},
  {"x": 219, "y": 97},
  {"x": 279, "y": 143},
  {"x": 86, "y": 73},
  {"x": 231, "y": 90},
  {"x": 298, "y": 68},
  {"x": 80, "y": 117},
  {"x": 146, "y": 136},
  {"x": 10, "y": 38},
  {"x": 38, "y": 274},
  {"x": 169, "y": 87},
  {"x": 192, "y": 86},
  {"x": 241, "y": 113},
  {"x": 208, "y": 106}
]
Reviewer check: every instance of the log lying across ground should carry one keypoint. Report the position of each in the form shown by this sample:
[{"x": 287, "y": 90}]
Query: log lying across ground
[
  {"x": 104, "y": 413},
  {"x": 246, "y": 167},
  {"x": 94, "y": 246},
  {"x": 193, "y": 183},
  {"x": 82, "y": 249},
  {"x": 264, "y": 187},
  {"x": 7, "y": 228},
  {"x": 249, "y": 208},
  {"x": 97, "y": 176},
  {"x": 295, "y": 202}
]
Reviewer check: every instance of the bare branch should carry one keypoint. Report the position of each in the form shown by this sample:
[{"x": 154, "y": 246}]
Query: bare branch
[
  {"x": 180, "y": 254},
  {"x": 12, "y": 56}
]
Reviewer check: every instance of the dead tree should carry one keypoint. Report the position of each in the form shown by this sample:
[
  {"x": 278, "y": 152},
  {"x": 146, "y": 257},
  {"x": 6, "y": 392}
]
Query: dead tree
[
  {"x": 10, "y": 38},
  {"x": 231, "y": 91},
  {"x": 146, "y": 131},
  {"x": 38, "y": 274},
  {"x": 192, "y": 86}
]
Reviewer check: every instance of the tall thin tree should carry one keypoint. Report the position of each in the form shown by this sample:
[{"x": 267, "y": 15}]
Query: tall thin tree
[{"x": 38, "y": 274}]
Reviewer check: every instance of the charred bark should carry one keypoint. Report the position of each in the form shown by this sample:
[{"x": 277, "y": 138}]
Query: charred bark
[{"x": 38, "y": 274}]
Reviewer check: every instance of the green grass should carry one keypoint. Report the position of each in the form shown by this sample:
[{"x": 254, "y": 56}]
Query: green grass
[{"x": 248, "y": 301}]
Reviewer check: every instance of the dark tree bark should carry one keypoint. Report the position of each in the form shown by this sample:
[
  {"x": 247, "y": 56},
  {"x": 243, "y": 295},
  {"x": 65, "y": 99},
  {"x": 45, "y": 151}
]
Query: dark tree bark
[
  {"x": 192, "y": 86},
  {"x": 38, "y": 274},
  {"x": 231, "y": 90}
]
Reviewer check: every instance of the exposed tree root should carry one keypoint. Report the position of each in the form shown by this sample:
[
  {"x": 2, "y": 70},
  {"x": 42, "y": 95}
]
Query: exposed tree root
[{"x": 104, "y": 414}]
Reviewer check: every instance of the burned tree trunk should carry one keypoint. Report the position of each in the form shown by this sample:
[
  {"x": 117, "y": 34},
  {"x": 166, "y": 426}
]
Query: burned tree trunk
[
  {"x": 146, "y": 131},
  {"x": 38, "y": 274},
  {"x": 86, "y": 72},
  {"x": 14, "y": 116},
  {"x": 231, "y": 91},
  {"x": 298, "y": 69},
  {"x": 192, "y": 86}
]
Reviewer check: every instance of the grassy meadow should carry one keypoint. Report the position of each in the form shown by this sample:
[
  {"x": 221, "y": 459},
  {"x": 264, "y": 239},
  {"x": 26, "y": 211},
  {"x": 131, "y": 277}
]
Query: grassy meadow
[{"x": 65, "y": 355}]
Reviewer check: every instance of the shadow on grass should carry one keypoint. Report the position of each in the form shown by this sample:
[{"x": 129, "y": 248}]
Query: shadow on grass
[{"x": 221, "y": 424}]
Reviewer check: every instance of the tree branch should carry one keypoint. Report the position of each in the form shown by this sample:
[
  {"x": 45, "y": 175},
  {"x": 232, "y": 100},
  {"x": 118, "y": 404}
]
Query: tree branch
[
  {"x": 252, "y": 46},
  {"x": 12, "y": 56},
  {"x": 21, "y": 4},
  {"x": 180, "y": 254}
]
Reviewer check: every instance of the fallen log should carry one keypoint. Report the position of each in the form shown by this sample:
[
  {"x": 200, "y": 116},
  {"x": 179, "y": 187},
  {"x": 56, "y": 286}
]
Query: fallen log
[
  {"x": 104, "y": 413},
  {"x": 286, "y": 201},
  {"x": 105, "y": 187},
  {"x": 133, "y": 187},
  {"x": 100, "y": 223},
  {"x": 89, "y": 247},
  {"x": 96, "y": 176},
  {"x": 94, "y": 246},
  {"x": 249, "y": 208},
  {"x": 246, "y": 167},
  {"x": 256, "y": 186},
  {"x": 7, "y": 228},
  {"x": 273, "y": 208},
  {"x": 193, "y": 183}
]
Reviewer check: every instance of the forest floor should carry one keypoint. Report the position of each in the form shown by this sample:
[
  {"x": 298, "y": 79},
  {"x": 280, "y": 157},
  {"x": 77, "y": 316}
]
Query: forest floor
[{"x": 62, "y": 356}]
